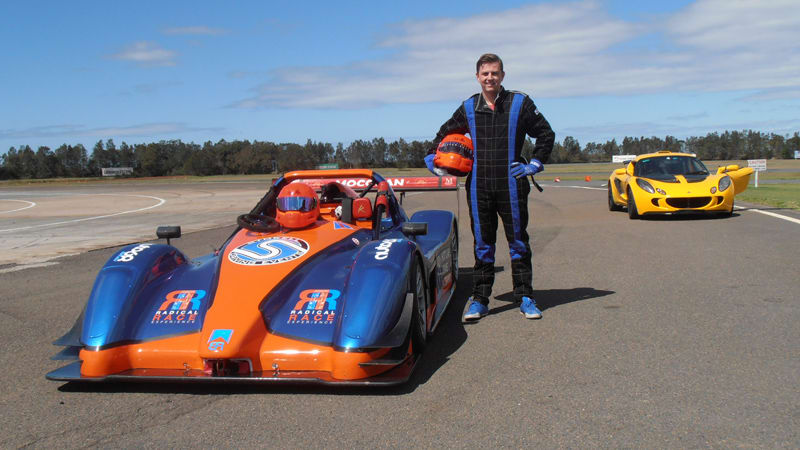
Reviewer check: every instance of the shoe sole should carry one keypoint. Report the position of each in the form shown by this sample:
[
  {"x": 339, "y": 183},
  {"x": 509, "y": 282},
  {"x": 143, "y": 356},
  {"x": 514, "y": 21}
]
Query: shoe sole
[
  {"x": 474, "y": 318},
  {"x": 531, "y": 316}
]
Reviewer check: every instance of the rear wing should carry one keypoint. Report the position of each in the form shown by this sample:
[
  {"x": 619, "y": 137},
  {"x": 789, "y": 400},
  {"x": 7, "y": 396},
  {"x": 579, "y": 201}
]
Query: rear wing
[{"x": 398, "y": 184}]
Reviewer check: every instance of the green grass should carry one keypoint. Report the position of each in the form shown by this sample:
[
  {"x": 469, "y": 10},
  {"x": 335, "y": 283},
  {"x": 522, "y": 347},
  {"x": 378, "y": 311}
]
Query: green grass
[{"x": 777, "y": 195}]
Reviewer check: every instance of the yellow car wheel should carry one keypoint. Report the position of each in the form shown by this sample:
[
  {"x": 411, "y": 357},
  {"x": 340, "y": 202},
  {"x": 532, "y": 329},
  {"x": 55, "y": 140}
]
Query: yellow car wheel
[
  {"x": 612, "y": 206},
  {"x": 633, "y": 213}
]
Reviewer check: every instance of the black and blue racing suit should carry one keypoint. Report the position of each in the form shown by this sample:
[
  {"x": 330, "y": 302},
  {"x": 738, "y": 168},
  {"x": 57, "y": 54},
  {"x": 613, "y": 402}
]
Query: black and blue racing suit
[{"x": 497, "y": 137}]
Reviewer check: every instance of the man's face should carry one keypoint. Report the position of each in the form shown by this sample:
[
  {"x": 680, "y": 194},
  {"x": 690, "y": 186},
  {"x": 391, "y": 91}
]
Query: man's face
[{"x": 490, "y": 77}]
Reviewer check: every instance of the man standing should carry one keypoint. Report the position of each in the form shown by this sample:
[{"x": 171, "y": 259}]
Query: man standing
[{"x": 498, "y": 120}]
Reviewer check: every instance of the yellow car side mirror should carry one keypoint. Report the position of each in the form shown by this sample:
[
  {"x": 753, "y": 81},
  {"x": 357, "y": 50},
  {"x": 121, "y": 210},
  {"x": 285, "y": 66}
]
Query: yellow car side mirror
[
  {"x": 729, "y": 168},
  {"x": 620, "y": 171}
]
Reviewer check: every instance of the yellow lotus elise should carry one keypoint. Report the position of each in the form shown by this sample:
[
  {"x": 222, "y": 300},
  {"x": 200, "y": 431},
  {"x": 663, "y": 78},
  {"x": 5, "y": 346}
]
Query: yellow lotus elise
[{"x": 674, "y": 183}]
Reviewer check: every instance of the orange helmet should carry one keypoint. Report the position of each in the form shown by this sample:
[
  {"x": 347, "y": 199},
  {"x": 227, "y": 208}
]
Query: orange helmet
[
  {"x": 454, "y": 154},
  {"x": 297, "y": 206}
]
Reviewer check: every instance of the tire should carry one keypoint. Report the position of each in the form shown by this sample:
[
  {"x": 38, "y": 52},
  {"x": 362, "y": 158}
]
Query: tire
[
  {"x": 633, "y": 213},
  {"x": 454, "y": 254},
  {"x": 419, "y": 317},
  {"x": 612, "y": 206},
  {"x": 728, "y": 213}
]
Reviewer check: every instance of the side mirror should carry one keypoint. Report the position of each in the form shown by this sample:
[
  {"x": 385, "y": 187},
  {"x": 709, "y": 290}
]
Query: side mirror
[
  {"x": 168, "y": 232},
  {"x": 729, "y": 168},
  {"x": 620, "y": 171},
  {"x": 415, "y": 228}
]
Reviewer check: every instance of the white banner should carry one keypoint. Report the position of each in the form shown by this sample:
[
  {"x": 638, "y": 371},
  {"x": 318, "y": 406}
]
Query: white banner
[
  {"x": 622, "y": 158},
  {"x": 116, "y": 171}
]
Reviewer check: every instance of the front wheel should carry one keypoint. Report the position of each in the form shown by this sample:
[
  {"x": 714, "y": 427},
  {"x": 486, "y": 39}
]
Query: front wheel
[
  {"x": 633, "y": 213},
  {"x": 419, "y": 318},
  {"x": 728, "y": 213},
  {"x": 454, "y": 255}
]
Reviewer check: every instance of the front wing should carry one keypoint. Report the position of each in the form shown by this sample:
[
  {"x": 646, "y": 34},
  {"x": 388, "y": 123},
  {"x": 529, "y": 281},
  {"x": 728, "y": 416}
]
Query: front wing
[{"x": 398, "y": 375}]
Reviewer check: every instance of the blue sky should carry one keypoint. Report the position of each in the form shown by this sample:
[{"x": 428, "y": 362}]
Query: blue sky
[{"x": 79, "y": 72}]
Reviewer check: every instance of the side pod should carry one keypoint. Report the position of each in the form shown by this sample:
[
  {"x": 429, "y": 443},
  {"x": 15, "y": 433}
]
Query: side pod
[
  {"x": 375, "y": 312},
  {"x": 117, "y": 285}
]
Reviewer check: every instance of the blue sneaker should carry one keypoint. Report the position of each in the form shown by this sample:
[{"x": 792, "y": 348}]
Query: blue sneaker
[
  {"x": 529, "y": 309},
  {"x": 476, "y": 310}
]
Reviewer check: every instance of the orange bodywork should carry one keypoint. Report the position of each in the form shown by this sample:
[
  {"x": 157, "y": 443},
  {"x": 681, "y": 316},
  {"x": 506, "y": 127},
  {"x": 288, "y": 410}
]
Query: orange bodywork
[{"x": 236, "y": 307}]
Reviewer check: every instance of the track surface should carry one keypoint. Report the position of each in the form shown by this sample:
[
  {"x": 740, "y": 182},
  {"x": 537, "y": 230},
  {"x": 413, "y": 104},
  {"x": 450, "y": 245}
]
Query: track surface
[{"x": 679, "y": 332}]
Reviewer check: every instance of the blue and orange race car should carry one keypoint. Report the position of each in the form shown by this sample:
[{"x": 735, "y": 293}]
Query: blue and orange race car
[{"x": 350, "y": 299}]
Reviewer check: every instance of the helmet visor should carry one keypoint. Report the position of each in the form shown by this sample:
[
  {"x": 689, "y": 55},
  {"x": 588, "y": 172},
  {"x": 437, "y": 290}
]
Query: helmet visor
[
  {"x": 455, "y": 147},
  {"x": 303, "y": 204}
]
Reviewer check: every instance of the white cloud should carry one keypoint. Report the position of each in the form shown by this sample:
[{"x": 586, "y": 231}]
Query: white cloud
[
  {"x": 154, "y": 129},
  {"x": 146, "y": 53},
  {"x": 560, "y": 50},
  {"x": 196, "y": 30}
]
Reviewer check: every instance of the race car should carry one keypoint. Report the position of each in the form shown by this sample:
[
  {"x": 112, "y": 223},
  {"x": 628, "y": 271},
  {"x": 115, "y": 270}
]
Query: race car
[
  {"x": 674, "y": 183},
  {"x": 342, "y": 288}
]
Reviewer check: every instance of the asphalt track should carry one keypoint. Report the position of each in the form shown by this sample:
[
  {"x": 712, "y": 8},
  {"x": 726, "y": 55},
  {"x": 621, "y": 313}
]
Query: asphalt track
[{"x": 674, "y": 332}]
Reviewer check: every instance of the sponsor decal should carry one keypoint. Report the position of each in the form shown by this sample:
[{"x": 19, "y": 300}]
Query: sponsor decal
[
  {"x": 404, "y": 183},
  {"x": 316, "y": 307},
  {"x": 341, "y": 226},
  {"x": 361, "y": 210},
  {"x": 267, "y": 251},
  {"x": 218, "y": 339},
  {"x": 356, "y": 241},
  {"x": 179, "y": 307},
  {"x": 382, "y": 250},
  {"x": 129, "y": 255}
]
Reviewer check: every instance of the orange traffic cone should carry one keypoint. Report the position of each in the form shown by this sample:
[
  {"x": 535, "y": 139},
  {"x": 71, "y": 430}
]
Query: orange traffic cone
[{"x": 588, "y": 178}]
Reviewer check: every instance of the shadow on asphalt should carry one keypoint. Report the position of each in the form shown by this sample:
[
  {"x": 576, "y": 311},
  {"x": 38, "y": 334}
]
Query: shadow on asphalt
[
  {"x": 446, "y": 340},
  {"x": 550, "y": 298}
]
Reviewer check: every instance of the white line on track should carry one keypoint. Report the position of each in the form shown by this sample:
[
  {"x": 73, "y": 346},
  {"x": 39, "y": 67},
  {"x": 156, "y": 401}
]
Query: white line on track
[
  {"x": 772, "y": 214},
  {"x": 27, "y": 266},
  {"x": 30, "y": 205},
  {"x": 161, "y": 201}
]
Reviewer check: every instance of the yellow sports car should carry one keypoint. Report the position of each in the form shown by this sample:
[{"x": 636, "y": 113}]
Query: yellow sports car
[{"x": 673, "y": 183}]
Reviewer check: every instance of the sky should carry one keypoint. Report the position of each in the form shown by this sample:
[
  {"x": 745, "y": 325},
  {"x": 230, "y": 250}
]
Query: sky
[{"x": 278, "y": 71}]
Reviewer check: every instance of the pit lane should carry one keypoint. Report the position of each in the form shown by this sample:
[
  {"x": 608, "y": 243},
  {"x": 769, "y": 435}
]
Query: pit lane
[{"x": 678, "y": 332}]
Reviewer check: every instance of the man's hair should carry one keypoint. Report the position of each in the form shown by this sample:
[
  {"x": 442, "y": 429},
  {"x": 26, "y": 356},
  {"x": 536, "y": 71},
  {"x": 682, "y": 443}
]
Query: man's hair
[{"x": 487, "y": 58}]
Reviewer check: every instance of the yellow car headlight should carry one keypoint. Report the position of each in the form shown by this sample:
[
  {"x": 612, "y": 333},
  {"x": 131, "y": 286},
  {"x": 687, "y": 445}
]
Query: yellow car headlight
[
  {"x": 724, "y": 183},
  {"x": 645, "y": 185}
]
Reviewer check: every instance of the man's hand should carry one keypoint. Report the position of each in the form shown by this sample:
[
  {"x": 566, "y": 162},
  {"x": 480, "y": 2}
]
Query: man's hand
[
  {"x": 439, "y": 172},
  {"x": 518, "y": 169}
]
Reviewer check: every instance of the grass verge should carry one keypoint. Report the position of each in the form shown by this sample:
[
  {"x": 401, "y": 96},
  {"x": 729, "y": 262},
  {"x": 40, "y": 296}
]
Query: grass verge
[{"x": 777, "y": 195}]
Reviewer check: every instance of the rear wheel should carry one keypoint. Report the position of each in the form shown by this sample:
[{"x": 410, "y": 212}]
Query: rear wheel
[
  {"x": 419, "y": 318},
  {"x": 633, "y": 213}
]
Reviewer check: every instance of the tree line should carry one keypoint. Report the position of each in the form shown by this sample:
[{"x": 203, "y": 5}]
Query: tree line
[{"x": 174, "y": 157}]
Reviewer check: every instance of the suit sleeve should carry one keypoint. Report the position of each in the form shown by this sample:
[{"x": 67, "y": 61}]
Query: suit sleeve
[
  {"x": 537, "y": 127},
  {"x": 456, "y": 124}
]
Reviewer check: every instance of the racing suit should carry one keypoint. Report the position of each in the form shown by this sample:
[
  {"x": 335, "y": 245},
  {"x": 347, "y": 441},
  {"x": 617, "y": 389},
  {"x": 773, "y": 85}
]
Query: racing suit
[{"x": 497, "y": 137}]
